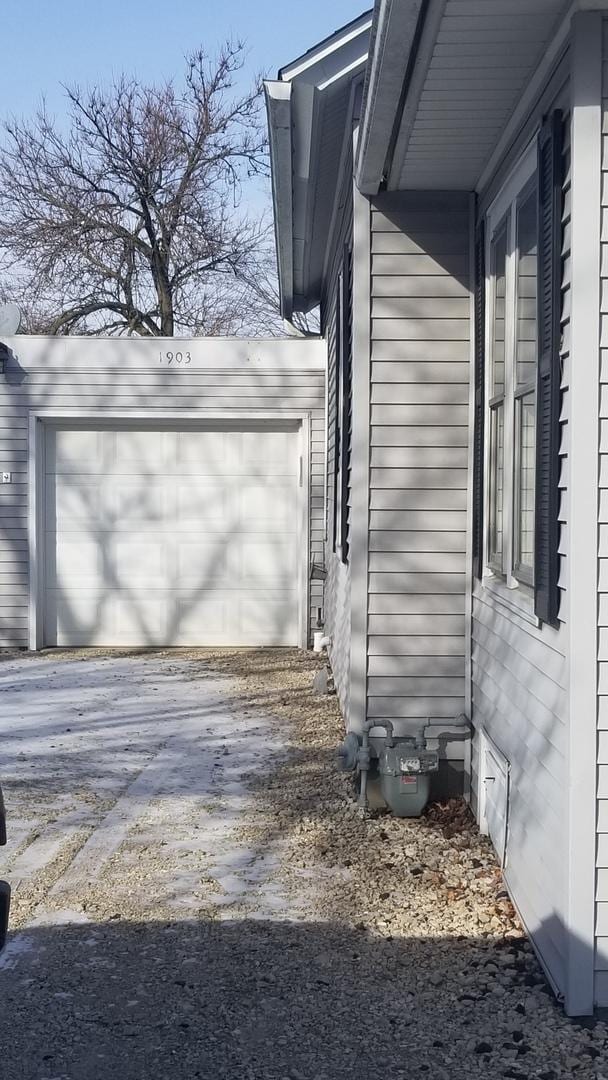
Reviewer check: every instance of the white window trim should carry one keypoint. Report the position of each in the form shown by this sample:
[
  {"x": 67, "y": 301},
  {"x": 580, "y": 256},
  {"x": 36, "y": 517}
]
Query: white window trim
[{"x": 513, "y": 594}]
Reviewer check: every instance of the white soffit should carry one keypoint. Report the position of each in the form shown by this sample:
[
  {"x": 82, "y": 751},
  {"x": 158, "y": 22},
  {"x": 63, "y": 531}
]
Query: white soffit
[
  {"x": 308, "y": 108},
  {"x": 474, "y": 60}
]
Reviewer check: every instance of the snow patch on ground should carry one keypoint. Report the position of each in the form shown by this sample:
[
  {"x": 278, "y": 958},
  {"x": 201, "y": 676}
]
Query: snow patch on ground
[{"x": 149, "y": 763}]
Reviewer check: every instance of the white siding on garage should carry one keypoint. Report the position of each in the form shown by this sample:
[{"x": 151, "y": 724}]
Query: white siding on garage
[
  {"x": 419, "y": 445},
  {"x": 124, "y": 378},
  {"x": 519, "y": 693}
]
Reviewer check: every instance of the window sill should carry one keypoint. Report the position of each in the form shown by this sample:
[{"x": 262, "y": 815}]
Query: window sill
[{"x": 519, "y": 600}]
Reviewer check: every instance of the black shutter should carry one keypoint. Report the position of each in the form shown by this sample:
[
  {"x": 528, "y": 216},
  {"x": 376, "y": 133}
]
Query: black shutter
[
  {"x": 546, "y": 528},
  {"x": 346, "y": 336},
  {"x": 336, "y": 411},
  {"x": 478, "y": 445}
]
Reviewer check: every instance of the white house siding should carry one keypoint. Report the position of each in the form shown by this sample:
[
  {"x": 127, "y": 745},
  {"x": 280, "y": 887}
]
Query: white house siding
[
  {"x": 519, "y": 691},
  {"x": 337, "y": 585},
  {"x": 602, "y": 807},
  {"x": 420, "y": 350},
  {"x": 121, "y": 378}
]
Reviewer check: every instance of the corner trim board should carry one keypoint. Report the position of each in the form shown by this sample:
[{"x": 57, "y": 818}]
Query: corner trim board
[
  {"x": 586, "y": 137},
  {"x": 360, "y": 452}
]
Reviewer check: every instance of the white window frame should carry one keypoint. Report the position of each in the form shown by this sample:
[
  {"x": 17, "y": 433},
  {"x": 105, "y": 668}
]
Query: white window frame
[{"x": 506, "y": 583}]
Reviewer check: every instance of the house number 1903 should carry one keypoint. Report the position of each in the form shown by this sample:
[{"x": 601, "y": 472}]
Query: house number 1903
[{"x": 174, "y": 357}]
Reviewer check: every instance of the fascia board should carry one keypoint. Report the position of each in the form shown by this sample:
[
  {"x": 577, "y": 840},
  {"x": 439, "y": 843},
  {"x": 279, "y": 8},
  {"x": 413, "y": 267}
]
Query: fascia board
[
  {"x": 393, "y": 37},
  {"x": 295, "y": 105}
]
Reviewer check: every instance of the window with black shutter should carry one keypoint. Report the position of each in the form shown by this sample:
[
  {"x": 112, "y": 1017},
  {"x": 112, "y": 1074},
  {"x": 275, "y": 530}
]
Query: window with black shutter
[{"x": 517, "y": 372}]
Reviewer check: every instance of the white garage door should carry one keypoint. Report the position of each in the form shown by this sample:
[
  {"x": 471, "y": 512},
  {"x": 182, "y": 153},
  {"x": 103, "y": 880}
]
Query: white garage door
[{"x": 171, "y": 537}]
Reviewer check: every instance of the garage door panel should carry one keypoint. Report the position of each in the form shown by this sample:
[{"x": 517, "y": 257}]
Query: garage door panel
[
  {"x": 204, "y": 505},
  {"x": 75, "y": 452},
  {"x": 264, "y": 561},
  {"x": 103, "y": 561},
  {"x": 137, "y": 561},
  {"x": 164, "y": 538},
  {"x": 73, "y": 558},
  {"x": 125, "y": 503},
  {"x": 203, "y": 619},
  {"x": 80, "y": 501},
  {"x": 74, "y": 620},
  {"x": 95, "y": 618},
  {"x": 143, "y": 452},
  {"x": 141, "y": 619},
  {"x": 215, "y": 453},
  {"x": 264, "y": 505},
  {"x": 203, "y": 564},
  {"x": 268, "y": 453},
  {"x": 270, "y": 623}
]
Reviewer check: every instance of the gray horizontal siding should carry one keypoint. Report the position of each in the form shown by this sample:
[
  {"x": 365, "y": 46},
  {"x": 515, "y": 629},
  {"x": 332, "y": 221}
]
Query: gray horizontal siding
[
  {"x": 519, "y": 681},
  {"x": 120, "y": 391},
  {"x": 420, "y": 343},
  {"x": 602, "y": 758}
]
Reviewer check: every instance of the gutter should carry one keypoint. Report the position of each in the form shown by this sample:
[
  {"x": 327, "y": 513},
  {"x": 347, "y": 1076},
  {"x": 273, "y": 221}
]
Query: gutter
[{"x": 278, "y": 107}]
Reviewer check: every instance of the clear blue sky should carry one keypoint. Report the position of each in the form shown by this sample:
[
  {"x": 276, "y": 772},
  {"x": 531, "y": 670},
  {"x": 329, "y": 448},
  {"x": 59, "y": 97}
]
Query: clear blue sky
[{"x": 49, "y": 42}]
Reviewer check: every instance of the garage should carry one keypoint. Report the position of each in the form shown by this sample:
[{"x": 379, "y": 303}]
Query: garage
[
  {"x": 171, "y": 537},
  {"x": 147, "y": 502}
]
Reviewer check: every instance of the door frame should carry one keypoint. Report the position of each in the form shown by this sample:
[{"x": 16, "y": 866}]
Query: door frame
[{"x": 42, "y": 419}]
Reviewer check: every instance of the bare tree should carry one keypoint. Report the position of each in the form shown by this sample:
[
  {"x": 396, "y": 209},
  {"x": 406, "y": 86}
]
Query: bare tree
[
  {"x": 262, "y": 294},
  {"x": 130, "y": 221}
]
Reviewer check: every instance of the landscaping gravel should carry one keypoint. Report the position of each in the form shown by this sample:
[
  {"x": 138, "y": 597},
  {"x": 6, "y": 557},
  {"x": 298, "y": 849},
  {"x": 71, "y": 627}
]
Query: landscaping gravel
[{"x": 249, "y": 922}]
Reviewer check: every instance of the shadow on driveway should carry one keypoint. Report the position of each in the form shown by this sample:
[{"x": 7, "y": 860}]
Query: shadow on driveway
[{"x": 268, "y": 1001}]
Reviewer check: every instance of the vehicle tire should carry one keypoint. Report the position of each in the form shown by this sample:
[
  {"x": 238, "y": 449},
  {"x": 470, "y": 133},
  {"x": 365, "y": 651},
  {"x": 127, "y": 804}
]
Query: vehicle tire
[{"x": 5, "y": 903}]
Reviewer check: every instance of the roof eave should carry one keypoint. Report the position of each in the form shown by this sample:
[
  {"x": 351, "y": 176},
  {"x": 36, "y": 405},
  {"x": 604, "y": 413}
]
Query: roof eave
[
  {"x": 294, "y": 118},
  {"x": 395, "y": 34}
]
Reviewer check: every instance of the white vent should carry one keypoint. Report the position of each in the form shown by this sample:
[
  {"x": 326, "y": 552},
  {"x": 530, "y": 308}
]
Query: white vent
[{"x": 494, "y": 793}]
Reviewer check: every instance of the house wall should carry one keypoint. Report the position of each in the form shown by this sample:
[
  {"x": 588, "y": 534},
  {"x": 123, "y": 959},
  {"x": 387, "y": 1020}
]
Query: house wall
[
  {"x": 337, "y": 585},
  {"x": 601, "y": 955},
  {"x": 419, "y": 436},
  {"x": 122, "y": 377},
  {"x": 520, "y": 672}
]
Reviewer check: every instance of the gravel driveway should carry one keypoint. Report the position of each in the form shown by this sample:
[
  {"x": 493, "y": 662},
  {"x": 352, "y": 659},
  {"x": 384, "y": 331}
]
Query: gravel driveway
[{"x": 196, "y": 895}]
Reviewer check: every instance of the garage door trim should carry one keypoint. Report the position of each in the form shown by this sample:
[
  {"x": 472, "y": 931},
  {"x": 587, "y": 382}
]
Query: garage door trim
[{"x": 40, "y": 420}]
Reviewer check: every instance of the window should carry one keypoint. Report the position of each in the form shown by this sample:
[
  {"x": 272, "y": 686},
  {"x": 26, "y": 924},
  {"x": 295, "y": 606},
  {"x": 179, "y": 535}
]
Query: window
[
  {"x": 511, "y": 334},
  {"x": 518, "y": 311}
]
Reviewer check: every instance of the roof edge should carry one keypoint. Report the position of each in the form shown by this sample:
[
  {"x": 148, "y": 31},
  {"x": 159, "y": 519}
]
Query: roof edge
[
  {"x": 323, "y": 49},
  {"x": 278, "y": 108},
  {"x": 296, "y": 107}
]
